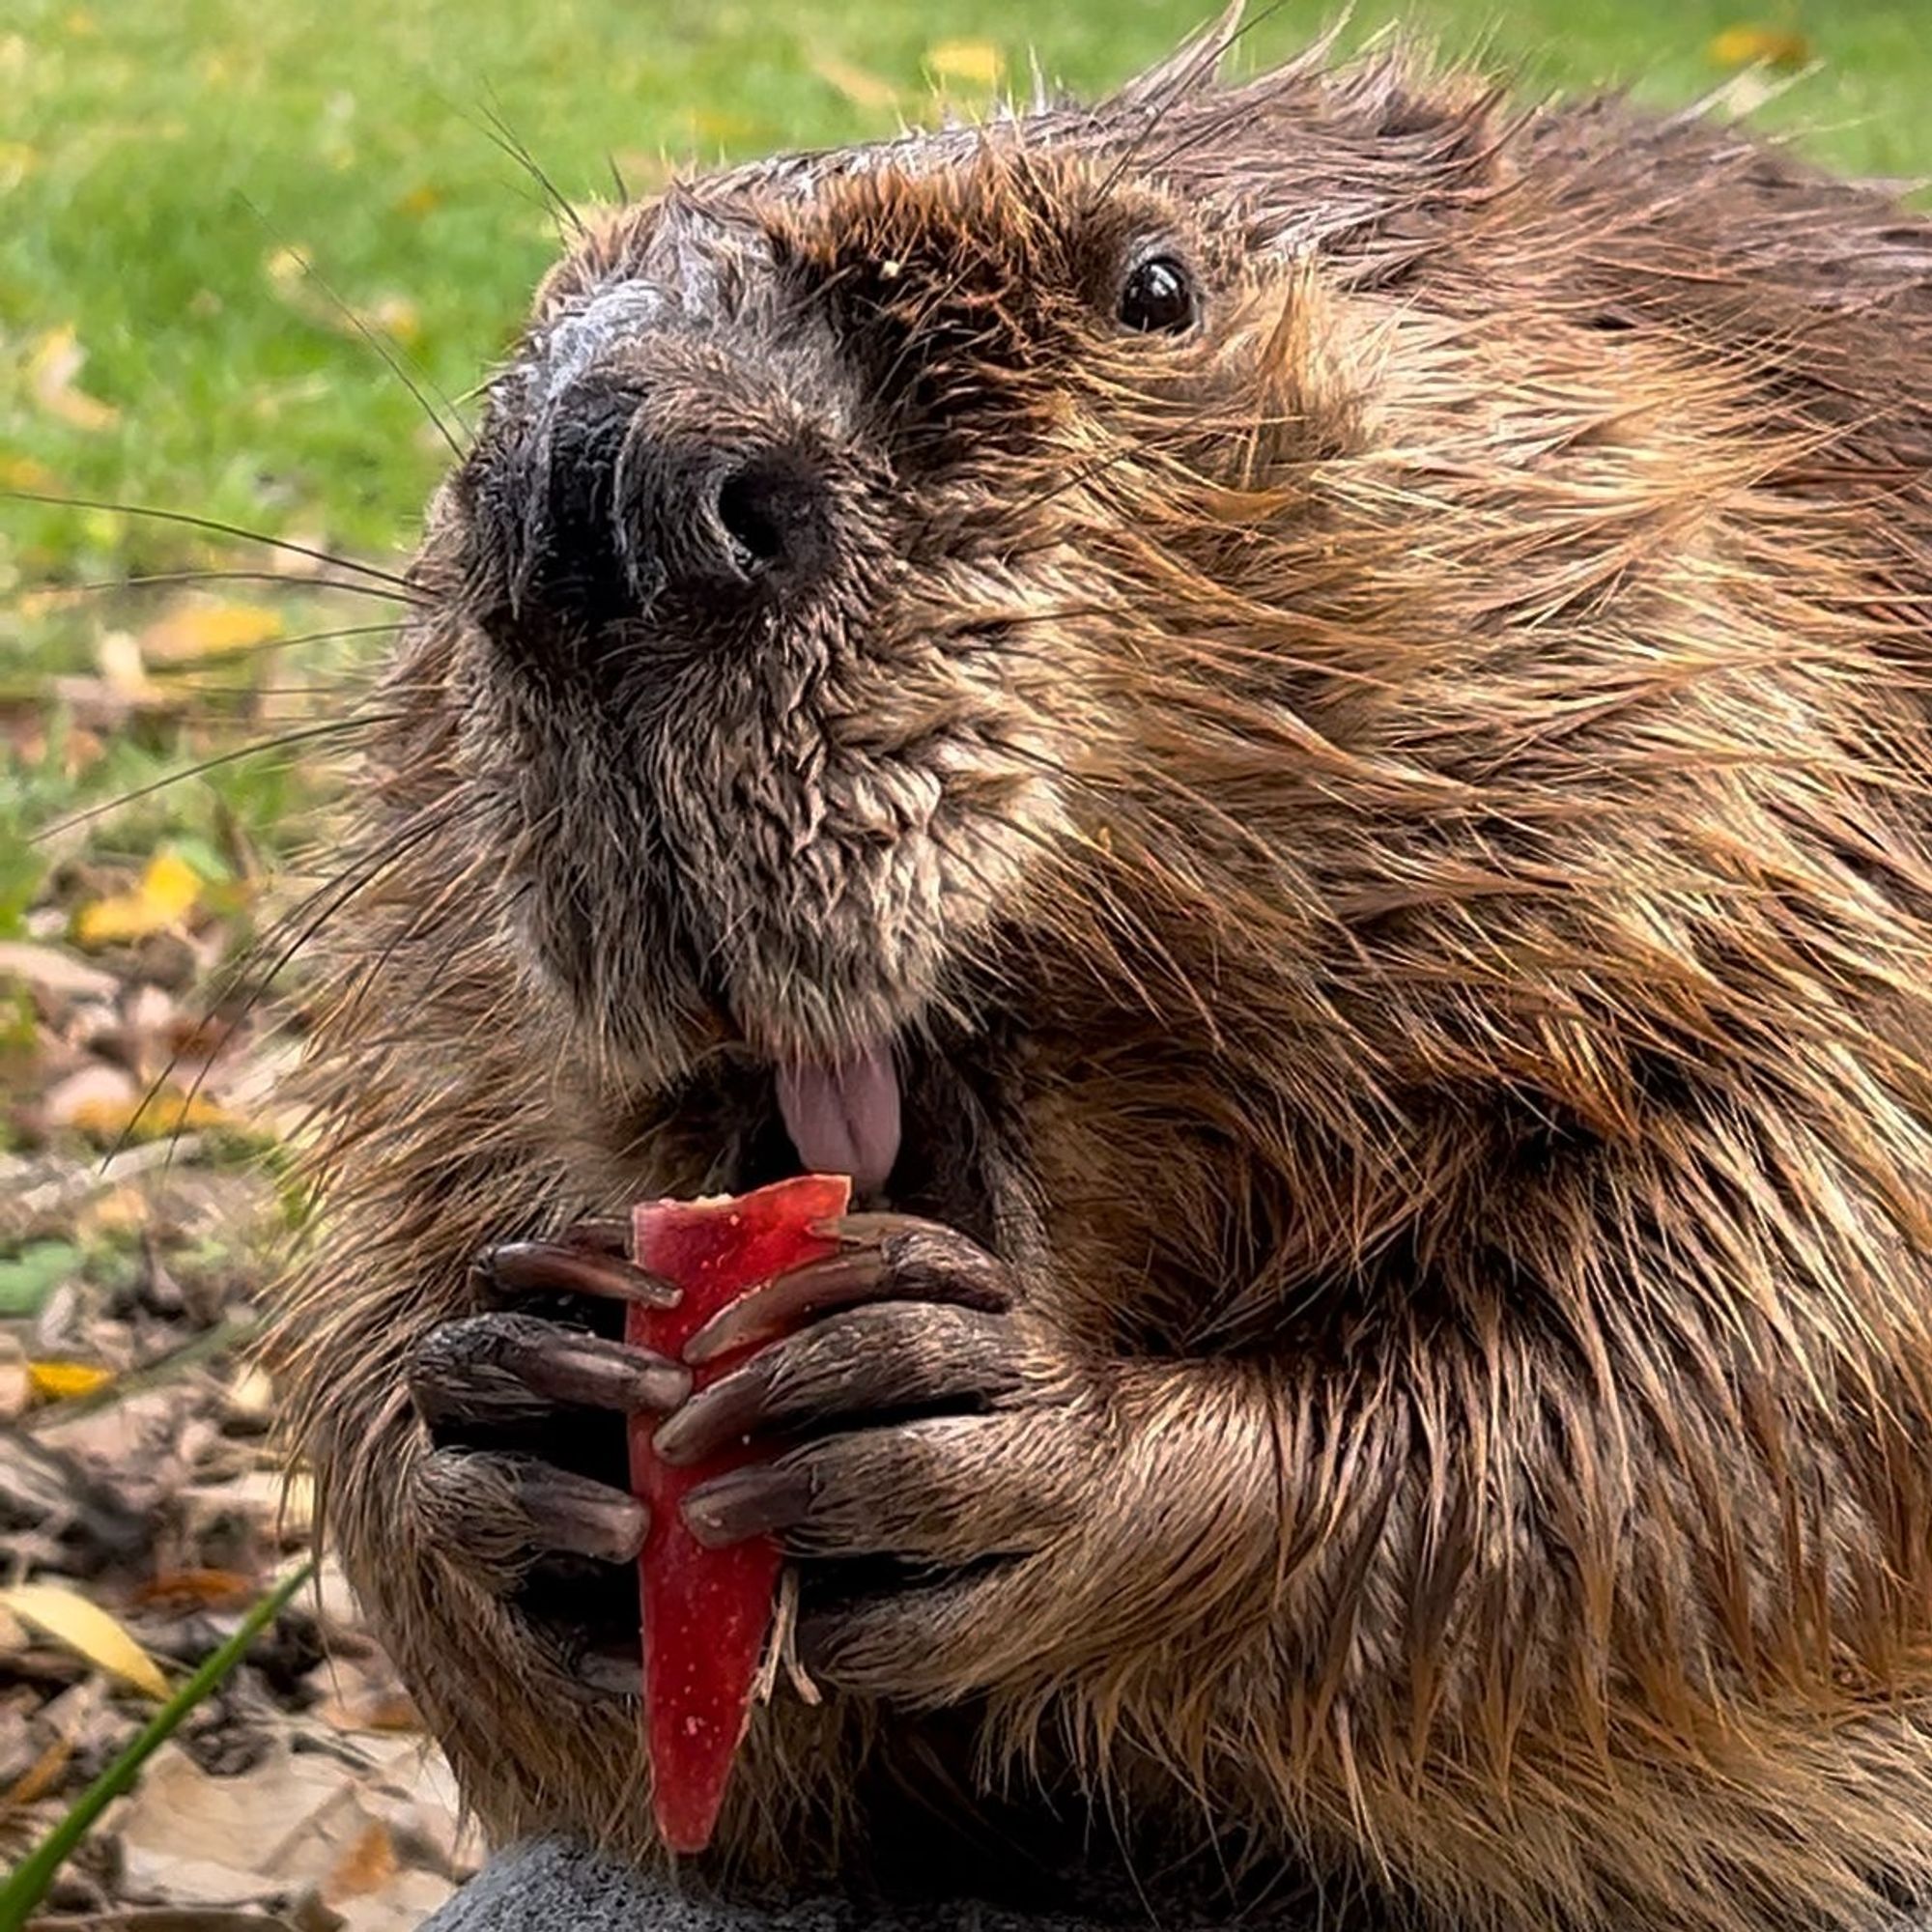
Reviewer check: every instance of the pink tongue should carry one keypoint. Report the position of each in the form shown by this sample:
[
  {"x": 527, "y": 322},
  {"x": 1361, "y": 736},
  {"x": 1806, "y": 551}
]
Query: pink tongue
[{"x": 844, "y": 1120}]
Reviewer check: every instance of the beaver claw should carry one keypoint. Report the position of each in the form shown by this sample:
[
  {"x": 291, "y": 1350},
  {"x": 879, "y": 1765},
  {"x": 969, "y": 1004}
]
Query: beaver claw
[
  {"x": 504, "y": 1368},
  {"x": 498, "y": 1515},
  {"x": 524, "y": 1486},
  {"x": 891, "y": 1357},
  {"x": 882, "y": 1258},
  {"x": 901, "y": 1398},
  {"x": 569, "y": 1266}
]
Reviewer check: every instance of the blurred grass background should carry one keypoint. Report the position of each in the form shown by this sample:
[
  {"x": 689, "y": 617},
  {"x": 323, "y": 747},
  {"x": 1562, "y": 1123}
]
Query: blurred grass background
[
  {"x": 171, "y": 171},
  {"x": 178, "y": 181}
]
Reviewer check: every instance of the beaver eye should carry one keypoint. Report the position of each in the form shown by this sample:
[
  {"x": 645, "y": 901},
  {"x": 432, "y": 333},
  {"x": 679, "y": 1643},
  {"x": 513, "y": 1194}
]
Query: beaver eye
[{"x": 1158, "y": 298}]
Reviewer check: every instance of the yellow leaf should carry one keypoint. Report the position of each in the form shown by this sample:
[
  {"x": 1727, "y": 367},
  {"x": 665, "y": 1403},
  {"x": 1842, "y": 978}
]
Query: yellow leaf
[
  {"x": 209, "y": 629},
  {"x": 396, "y": 317},
  {"x": 167, "y": 893},
  {"x": 51, "y": 368},
  {"x": 722, "y": 127},
  {"x": 55, "y": 1381},
  {"x": 286, "y": 270},
  {"x": 976, "y": 63},
  {"x": 169, "y": 1112},
  {"x": 423, "y": 199},
  {"x": 85, "y": 1630},
  {"x": 1754, "y": 47},
  {"x": 22, "y": 472},
  {"x": 861, "y": 88}
]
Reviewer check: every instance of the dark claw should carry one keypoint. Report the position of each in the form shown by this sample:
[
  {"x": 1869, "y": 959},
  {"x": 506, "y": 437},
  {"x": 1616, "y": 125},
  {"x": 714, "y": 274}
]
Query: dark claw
[
  {"x": 840, "y": 1281},
  {"x": 891, "y": 1357},
  {"x": 747, "y": 1502},
  {"x": 504, "y": 1367},
  {"x": 558, "y": 1268},
  {"x": 887, "y": 1257},
  {"x": 499, "y": 1512},
  {"x": 582, "y": 1518},
  {"x": 579, "y": 1518}
]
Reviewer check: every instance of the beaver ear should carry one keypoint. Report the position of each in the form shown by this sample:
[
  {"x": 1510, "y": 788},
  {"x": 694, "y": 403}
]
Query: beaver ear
[{"x": 1192, "y": 68}]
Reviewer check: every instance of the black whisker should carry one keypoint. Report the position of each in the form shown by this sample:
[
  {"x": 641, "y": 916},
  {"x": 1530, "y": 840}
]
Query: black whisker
[
  {"x": 499, "y": 131},
  {"x": 240, "y": 531},
  {"x": 261, "y": 748},
  {"x": 157, "y": 578},
  {"x": 235, "y": 653},
  {"x": 385, "y": 346}
]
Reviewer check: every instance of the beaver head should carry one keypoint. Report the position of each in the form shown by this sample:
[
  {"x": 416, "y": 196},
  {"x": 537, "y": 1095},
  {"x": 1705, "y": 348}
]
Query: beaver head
[{"x": 866, "y": 569}]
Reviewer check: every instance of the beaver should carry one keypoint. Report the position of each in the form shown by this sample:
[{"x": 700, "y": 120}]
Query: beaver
[{"x": 1291, "y": 714}]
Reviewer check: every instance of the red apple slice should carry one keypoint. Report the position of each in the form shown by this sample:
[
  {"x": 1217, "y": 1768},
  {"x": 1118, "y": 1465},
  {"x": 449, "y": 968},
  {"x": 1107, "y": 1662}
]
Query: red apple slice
[{"x": 707, "y": 1612}]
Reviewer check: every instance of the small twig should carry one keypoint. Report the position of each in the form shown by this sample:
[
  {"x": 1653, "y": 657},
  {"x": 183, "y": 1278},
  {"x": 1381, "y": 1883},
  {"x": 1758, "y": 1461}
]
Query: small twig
[
  {"x": 32, "y": 1878},
  {"x": 782, "y": 1648}
]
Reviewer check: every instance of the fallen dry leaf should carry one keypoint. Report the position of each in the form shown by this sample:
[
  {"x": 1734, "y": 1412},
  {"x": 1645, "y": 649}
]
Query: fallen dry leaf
[
  {"x": 200, "y": 1589},
  {"x": 168, "y": 892},
  {"x": 86, "y": 1628},
  {"x": 972, "y": 63},
  {"x": 48, "y": 969},
  {"x": 1748, "y": 45},
  {"x": 54, "y": 362},
  {"x": 124, "y": 668},
  {"x": 209, "y": 629},
  {"x": 40, "y": 1778},
  {"x": 855, "y": 83},
  {"x": 301, "y": 1818},
  {"x": 56, "y": 1381},
  {"x": 368, "y": 1864},
  {"x": 150, "y": 1117}
]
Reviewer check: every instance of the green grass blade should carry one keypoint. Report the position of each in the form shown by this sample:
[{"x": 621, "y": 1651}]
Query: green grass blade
[{"x": 24, "y": 1889}]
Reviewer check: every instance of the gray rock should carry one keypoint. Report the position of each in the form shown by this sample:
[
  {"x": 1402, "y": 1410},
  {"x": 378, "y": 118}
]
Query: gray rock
[{"x": 549, "y": 1886}]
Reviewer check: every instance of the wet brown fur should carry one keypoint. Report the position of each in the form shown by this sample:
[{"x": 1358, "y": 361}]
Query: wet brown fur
[{"x": 1439, "y": 769}]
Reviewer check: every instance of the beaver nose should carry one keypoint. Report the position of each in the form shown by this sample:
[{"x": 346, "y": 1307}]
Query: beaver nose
[
  {"x": 643, "y": 502},
  {"x": 750, "y": 522},
  {"x": 766, "y": 518}
]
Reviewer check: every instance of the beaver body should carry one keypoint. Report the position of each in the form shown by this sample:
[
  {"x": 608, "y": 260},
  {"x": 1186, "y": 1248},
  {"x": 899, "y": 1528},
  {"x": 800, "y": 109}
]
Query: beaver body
[{"x": 1295, "y": 716}]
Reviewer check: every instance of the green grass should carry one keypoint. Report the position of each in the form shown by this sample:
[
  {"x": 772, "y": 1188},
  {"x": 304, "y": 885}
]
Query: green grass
[
  {"x": 163, "y": 162},
  {"x": 139, "y": 137}
]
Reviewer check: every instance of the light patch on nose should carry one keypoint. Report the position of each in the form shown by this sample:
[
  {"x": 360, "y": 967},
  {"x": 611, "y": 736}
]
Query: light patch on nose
[{"x": 618, "y": 312}]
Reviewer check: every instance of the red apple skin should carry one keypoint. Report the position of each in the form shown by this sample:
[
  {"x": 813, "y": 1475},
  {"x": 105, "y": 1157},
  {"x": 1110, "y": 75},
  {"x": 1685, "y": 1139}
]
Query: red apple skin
[{"x": 707, "y": 1612}]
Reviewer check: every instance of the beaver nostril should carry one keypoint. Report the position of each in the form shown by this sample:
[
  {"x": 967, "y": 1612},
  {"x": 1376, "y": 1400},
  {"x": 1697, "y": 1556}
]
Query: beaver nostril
[
  {"x": 751, "y": 518},
  {"x": 772, "y": 512}
]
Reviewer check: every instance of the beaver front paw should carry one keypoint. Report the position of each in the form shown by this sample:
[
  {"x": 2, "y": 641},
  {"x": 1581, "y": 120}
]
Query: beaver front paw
[
  {"x": 934, "y": 1427},
  {"x": 524, "y": 1487}
]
